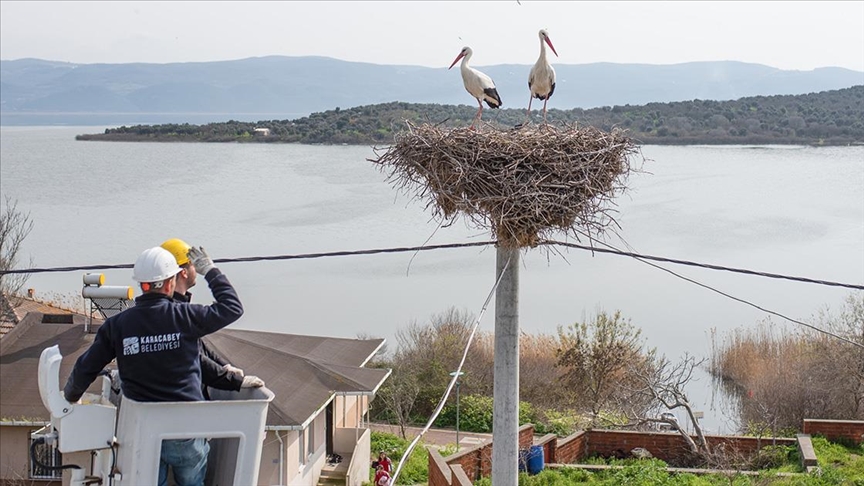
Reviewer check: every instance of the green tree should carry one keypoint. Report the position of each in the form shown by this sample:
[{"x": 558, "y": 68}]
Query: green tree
[{"x": 597, "y": 357}]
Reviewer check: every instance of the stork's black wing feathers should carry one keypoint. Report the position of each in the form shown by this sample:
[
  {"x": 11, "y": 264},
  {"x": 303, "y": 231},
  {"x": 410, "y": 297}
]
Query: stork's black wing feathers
[{"x": 492, "y": 99}]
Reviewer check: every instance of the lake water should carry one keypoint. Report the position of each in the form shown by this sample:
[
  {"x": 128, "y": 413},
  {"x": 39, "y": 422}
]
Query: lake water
[{"x": 790, "y": 210}]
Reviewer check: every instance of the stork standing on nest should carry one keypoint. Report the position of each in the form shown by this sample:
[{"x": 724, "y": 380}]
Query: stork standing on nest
[
  {"x": 541, "y": 80},
  {"x": 479, "y": 85}
]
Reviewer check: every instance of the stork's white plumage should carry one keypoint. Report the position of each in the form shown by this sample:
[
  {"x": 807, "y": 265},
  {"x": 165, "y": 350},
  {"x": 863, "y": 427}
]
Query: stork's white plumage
[
  {"x": 541, "y": 80},
  {"x": 479, "y": 85}
]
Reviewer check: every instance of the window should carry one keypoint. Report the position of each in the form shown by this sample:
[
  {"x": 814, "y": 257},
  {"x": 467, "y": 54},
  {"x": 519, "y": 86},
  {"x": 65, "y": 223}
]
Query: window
[
  {"x": 301, "y": 444},
  {"x": 49, "y": 456},
  {"x": 311, "y": 448}
]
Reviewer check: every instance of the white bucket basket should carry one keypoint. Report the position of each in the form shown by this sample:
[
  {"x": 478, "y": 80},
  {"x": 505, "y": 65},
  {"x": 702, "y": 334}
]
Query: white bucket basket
[{"x": 234, "y": 423}]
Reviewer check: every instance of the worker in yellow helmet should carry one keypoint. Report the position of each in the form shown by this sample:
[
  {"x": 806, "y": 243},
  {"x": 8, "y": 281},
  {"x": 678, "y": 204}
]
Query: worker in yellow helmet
[
  {"x": 215, "y": 372},
  {"x": 187, "y": 276}
]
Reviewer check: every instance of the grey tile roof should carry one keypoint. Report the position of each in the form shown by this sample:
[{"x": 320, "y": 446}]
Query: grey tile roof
[
  {"x": 305, "y": 372},
  {"x": 19, "y": 361}
]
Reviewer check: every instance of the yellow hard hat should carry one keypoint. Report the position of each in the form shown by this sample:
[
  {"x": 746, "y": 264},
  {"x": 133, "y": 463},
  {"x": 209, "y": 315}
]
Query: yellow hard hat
[{"x": 178, "y": 248}]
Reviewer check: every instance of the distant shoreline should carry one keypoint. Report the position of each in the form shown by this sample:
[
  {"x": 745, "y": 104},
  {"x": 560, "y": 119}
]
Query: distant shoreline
[{"x": 829, "y": 118}]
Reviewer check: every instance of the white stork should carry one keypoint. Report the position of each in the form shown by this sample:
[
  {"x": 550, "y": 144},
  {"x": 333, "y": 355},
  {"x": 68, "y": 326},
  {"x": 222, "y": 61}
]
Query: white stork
[
  {"x": 541, "y": 80},
  {"x": 479, "y": 85}
]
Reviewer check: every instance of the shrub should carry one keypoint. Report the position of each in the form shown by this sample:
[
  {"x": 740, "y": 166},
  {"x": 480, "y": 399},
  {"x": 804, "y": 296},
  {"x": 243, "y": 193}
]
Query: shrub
[
  {"x": 770, "y": 457},
  {"x": 475, "y": 414},
  {"x": 416, "y": 469}
]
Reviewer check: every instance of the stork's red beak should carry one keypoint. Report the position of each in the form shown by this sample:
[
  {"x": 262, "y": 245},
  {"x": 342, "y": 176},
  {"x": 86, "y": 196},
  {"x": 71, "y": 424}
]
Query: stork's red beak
[
  {"x": 549, "y": 42},
  {"x": 460, "y": 56}
]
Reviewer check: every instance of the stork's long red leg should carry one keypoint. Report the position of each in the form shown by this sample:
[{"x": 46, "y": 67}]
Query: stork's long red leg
[
  {"x": 479, "y": 113},
  {"x": 528, "y": 113},
  {"x": 544, "y": 109}
]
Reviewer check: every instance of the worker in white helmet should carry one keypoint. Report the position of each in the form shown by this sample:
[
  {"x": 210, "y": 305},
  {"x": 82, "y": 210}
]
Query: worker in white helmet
[
  {"x": 215, "y": 372},
  {"x": 156, "y": 347}
]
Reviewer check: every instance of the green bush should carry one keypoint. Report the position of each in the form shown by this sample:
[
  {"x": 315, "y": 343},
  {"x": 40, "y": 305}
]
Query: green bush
[
  {"x": 555, "y": 422},
  {"x": 771, "y": 457},
  {"x": 415, "y": 470},
  {"x": 475, "y": 414}
]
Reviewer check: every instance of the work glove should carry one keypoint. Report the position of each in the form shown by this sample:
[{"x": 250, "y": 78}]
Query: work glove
[
  {"x": 252, "y": 382},
  {"x": 233, "y": 369},
  {"x": 200, "y": 260}
]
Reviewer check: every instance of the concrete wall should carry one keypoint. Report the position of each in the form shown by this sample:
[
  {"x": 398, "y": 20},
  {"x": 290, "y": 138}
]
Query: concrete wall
[
  {"x": 358, "y": 469},
  {"x": 836, "y": 429}
]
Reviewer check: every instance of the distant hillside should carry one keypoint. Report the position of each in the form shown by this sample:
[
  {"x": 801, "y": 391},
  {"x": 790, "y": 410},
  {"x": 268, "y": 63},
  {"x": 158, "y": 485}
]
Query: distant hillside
[
  {"x": 826, "y": 118},
  {"x": 290, "y": 87}
]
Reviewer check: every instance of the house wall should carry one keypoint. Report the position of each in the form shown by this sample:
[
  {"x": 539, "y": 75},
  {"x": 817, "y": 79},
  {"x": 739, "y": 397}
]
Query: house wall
[
  {"x": 294, "y": 473},
  {"x": 358, "y": 469},
  {"x": 13, "y": 452},
  {"x": 268, "y": 473},
  {"x": 15, "y": 458},
  {"x": 348, "y": 410},
  {"x": 836, "y": 429}
]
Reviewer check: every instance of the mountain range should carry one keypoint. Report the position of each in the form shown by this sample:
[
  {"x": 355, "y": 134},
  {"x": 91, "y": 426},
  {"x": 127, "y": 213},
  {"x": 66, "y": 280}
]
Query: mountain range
[{"x": 34, "y": 91}]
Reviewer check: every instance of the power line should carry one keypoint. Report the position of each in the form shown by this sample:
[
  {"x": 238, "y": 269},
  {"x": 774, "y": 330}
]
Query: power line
[
  {"x": 454, "y": 379},
  {"x": 744, "y": 271},
  {"x": 593, "y": 249},
  {"x": 724, "y": 294}
]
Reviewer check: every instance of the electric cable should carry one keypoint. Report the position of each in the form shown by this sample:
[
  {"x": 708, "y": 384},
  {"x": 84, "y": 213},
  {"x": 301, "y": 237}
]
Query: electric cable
[
  {"x": 375, "y": 251},
  {"x": 453, "y": 380},
  {"x": 644, "y": 260},
  {"x": 616, "y": 251},
  {"x": 35, "y": 458}
]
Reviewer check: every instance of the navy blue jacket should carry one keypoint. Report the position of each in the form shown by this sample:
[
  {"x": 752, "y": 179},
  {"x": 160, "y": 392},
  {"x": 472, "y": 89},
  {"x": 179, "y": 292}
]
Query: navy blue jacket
[
  {"x": 213, "y": 372},
  {"x": 156, "y": 345}
]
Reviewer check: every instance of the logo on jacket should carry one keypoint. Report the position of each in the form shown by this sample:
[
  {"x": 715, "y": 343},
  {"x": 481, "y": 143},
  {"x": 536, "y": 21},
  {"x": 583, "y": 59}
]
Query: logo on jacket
[
  {"x": 151, "y": 344},
  {"x": 131, "y": 346}
]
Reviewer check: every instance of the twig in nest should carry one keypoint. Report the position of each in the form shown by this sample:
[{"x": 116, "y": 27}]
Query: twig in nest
[{"x": 520, "y": 184}]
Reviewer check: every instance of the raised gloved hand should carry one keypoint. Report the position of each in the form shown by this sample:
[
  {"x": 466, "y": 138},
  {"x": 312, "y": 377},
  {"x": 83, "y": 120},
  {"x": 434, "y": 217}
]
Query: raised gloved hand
[
  {"x": 200, "y": 260},
  {"x": 252, "y": 382}
]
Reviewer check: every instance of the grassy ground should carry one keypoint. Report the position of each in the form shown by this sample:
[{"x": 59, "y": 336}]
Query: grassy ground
[{"x": 840, "y": 465}]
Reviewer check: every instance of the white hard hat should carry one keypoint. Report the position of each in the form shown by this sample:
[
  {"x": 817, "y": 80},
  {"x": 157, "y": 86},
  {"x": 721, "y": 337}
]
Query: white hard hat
[{"x": 155, "y": 265}]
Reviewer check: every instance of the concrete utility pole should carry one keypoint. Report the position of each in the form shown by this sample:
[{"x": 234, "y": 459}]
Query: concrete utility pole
[{"x": 505, "y": 414}]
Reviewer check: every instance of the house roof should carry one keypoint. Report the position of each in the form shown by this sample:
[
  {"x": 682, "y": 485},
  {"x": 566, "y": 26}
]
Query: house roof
[
  {"x": 304, "y": 372},
  {"x": 14, "y": 309},
  {"x": 19, "y": 361}
]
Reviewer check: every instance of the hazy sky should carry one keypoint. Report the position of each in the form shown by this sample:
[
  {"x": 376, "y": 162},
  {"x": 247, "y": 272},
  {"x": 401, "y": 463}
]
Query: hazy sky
[{"x": 787, "y": 35}]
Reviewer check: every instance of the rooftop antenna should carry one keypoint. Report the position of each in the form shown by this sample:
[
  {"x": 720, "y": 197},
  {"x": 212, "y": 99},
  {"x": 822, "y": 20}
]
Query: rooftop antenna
[{"x": 107, "y": 300}]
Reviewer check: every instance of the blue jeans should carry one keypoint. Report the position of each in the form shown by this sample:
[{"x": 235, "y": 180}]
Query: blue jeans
[{"x": 188, "y": 460}]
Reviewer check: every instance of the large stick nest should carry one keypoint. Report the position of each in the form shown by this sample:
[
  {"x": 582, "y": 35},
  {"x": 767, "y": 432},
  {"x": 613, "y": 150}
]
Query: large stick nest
[{"x": 522, "y": 184}]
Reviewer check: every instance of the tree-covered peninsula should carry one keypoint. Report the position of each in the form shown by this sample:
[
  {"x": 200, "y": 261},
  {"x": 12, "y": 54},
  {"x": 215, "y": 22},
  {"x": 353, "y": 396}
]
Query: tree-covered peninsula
[{"x": 825, "y": 118}]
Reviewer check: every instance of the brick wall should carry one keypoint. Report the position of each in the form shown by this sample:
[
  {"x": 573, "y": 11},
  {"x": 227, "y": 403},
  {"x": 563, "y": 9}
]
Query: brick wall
[
  {"x": 570, "y": 449},
  {"x": 549, "y": 443},
  {"x": 476, "y": 462},
  {"x": 668, "y": 446},
  {"x": 836, "y": 429},
  {"x": 439, "y": 473},
  {"x": 526, "y": 436}
]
